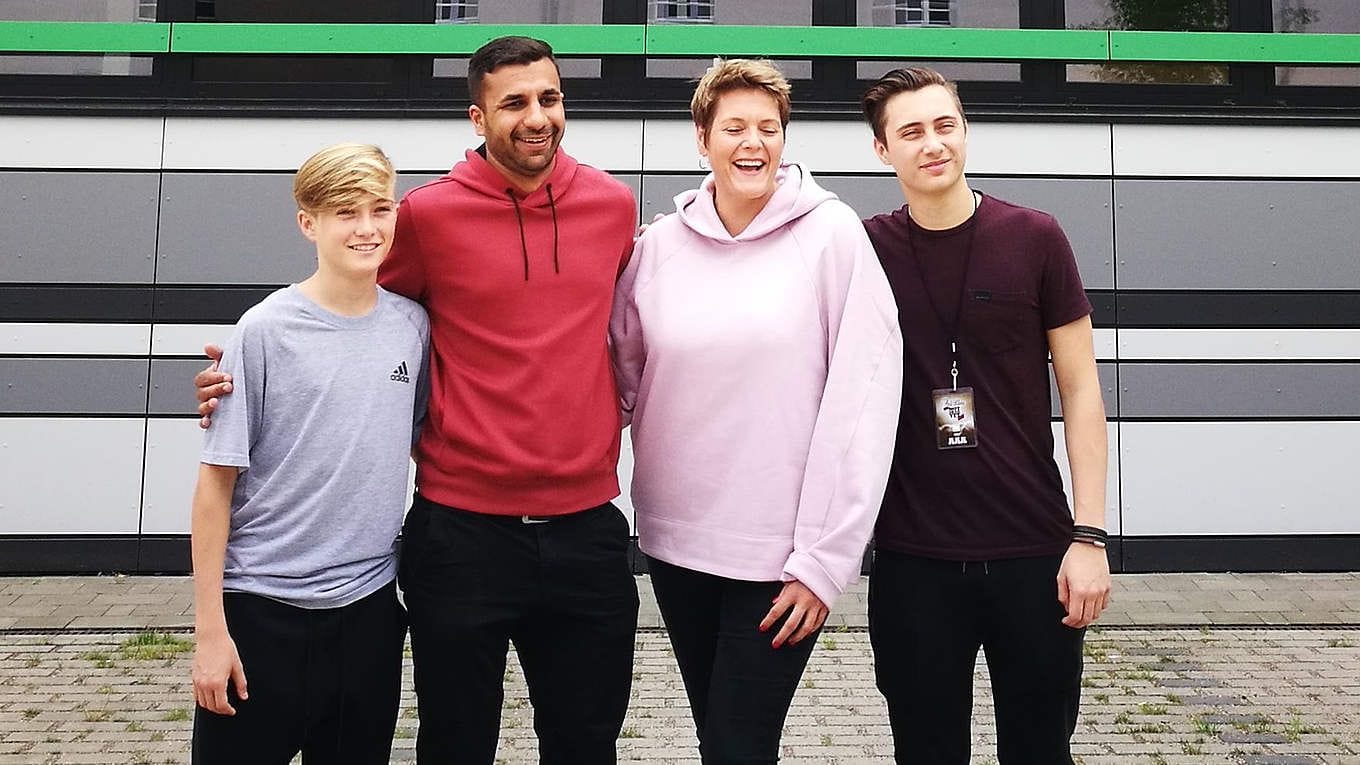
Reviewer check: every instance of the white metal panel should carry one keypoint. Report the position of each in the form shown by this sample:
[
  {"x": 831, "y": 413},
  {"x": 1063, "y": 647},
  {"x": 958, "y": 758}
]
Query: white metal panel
[
  {"x": 1106, "y": 343},
  {"x": 70, "y": 475},
  {"x": 172, "y": 450},
  {"x": 1112, "y": 515},
  {"x": 124, "y": 143},
  {"x": 1239, "y": 477},
  {"x": 62, "y": 339},
  {"x": 187, "y": 339},
  {"x": 1239, "y": 344},
  {"x": 847, "y": 147},
  {"x": 417, "y": 145},
  {"x": 1252, "y": 151}
]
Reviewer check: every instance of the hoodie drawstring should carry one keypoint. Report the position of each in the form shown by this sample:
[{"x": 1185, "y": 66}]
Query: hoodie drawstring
[
  {"x": 523, "y": 242},
  {"x": 553, "y": 206},
  {"x": 523, "y": 245}
]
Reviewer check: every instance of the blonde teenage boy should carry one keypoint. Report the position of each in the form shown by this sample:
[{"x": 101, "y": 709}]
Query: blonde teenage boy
[{"x": 301, "y": 493}]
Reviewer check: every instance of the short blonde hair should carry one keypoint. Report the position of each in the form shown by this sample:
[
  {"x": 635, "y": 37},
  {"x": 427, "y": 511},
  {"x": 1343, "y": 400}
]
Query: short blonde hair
[
  {"x": 738, "y": 74},
  {"x": 342, "y": 175}
]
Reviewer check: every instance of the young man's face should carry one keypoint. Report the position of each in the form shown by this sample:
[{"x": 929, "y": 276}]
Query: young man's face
[
  {"x": 351, "y": 241},
  {"x": 924, "y": 140},
  {"x": 522, "y": 119},
  {"x": 744, "y": 144}
]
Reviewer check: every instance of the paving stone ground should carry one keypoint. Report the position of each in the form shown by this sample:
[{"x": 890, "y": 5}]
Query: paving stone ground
[{"x": 97, "y": 689}]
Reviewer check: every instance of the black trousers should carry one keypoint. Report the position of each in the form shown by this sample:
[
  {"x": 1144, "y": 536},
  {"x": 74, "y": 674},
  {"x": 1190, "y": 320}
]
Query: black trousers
[
  {"x": 562, "y": 591},
  {"x": 739, "y": 687},
  {"x": 324, "y": 682},
  {"x": 927, "y": 619}
]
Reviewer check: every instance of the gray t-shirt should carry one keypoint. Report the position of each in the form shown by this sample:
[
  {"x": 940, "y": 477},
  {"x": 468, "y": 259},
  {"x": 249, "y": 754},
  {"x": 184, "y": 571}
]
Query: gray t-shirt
[{"x": 320, "y": 420}]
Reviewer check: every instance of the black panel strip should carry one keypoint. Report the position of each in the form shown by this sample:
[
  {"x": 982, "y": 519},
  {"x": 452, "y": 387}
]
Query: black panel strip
[
  {"x": 68, "y": 554},
  {"x": 105, "y": 303},
  {"x": 1103, "y": 314},
  {"x": 207, "y": 305},
  {"x": 168, "y": 554},
  {"x": 1311, "y": 309},
  {"x": 1154, "y": 309},
  {"x": 1313, "y": 552}
]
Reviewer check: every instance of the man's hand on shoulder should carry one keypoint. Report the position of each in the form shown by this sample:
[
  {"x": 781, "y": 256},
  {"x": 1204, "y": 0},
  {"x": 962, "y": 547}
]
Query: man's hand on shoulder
[
  {"x": 1083, "y": 584},
  {"x": 209, "y": 384}
]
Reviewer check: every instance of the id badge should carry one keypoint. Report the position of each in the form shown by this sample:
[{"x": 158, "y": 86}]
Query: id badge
[{"x": 955, "y": 420}]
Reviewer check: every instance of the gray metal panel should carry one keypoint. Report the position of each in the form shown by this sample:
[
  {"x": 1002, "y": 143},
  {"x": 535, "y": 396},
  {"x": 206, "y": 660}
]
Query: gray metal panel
[
  {"x": 73, "y": 386},
  {"x": 1082, "y": 207},
  {"x": 1258, "y": 234},
  {"x": 231, "y": 228},
  {"x": 1109, "y": 390},
  {"x": 77, "y": 227},
  {"x": 172, "y": 385},
  {"x": 658, "y": 193},
  {"x": 1239, "y": 390},
  {"x": 70, "y": 475}
]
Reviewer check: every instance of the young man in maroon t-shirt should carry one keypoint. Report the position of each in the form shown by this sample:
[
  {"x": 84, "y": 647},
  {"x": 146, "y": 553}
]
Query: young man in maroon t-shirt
[{"x": 975, "y": 543}]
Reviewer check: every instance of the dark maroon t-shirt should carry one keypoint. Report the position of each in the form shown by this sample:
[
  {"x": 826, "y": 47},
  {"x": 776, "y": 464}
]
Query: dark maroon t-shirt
[{"x": 1003, "y": 499}]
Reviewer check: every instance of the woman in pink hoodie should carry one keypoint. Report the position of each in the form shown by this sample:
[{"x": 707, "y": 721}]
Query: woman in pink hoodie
[{"x": 760, "y": 362}]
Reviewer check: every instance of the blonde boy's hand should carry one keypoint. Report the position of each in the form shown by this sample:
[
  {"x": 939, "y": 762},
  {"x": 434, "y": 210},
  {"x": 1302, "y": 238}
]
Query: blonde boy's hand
[
  {"x": 216, "y": 663},
  {"x": 209, "y": 384}
]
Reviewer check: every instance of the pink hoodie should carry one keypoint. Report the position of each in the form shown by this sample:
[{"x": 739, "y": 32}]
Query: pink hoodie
[{"x": 763, "y": 375}]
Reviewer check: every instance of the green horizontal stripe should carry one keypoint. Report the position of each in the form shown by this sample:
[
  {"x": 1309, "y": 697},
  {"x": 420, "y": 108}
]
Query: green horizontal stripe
[
  {"x": 426, "y": 39},
  {"x": 1244, "y": 47},
  {"x": 685, "y": 40},
  {"x": 83, "y": 37},
  {"x": 877, "y": 42}
]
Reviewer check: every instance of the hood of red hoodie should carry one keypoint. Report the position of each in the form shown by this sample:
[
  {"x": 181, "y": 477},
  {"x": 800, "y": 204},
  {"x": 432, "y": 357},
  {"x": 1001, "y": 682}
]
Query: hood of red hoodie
[{"x": 478, "y": 175}]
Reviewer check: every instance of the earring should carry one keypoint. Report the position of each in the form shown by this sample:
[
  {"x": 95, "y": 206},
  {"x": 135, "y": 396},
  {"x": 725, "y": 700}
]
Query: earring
[{"x": 703, "y": 163}]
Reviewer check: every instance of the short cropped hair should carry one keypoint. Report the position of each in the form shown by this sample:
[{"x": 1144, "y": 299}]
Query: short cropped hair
[
  {"x": 908, "y": 80},
  {"x": 504, "y": 51},
  {"x": 738, "y": 74},
  {"x": 342, "y": 175}
]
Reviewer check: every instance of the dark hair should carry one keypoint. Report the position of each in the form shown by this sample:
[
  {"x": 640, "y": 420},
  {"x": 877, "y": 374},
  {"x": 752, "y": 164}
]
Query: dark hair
[
  {"x": 504, "y": 51},
  {"x": 908, "y": 80}
]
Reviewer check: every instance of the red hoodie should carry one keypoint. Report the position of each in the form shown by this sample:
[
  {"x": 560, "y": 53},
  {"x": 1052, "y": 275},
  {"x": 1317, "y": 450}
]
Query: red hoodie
[{"x": 523, "y": 414}]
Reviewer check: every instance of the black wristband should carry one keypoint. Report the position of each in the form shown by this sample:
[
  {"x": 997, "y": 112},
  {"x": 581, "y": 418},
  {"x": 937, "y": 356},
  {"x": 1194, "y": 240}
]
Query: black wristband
[{"x": 1090, "y": 531}]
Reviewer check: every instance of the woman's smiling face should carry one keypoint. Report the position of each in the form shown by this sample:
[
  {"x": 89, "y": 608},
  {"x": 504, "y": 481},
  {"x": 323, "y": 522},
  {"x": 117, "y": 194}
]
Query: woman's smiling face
[{"x": 743, "y": 145}]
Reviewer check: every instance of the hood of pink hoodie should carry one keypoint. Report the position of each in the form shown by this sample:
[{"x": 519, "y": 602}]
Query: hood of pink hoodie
[{"x": 795, "y": 195}]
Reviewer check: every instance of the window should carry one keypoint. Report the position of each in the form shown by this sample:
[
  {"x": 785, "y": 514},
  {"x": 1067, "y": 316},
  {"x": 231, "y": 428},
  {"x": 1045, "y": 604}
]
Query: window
[
  {"x": 683, "y": 11},
  {"x": 914, "y": 13},
  {"x": 1336, "y": 16},
  {"x": 455, "y": 11},
  {"x": 985, "y": 14},
  {"x": 732, "y": 12},
  {"x": 1183, "y": 16},
  {"x": 78, "y": 10},
  {"x": 519, "y": 12}
]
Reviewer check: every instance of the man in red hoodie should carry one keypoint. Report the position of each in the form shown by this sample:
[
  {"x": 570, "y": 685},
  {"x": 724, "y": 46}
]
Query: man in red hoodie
[{"x": 512, "y": 535}]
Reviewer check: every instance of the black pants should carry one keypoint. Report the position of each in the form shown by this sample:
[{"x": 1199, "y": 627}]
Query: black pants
[
  {"x": 739, "y": 687},
  {"x": 562, "y": 591},
  {"x": 926, "y": 620},
  {"x": 324, "y": 682}
]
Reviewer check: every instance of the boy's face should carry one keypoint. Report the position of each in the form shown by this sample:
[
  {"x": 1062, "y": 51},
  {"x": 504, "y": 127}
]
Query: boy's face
[
  {"x": 925, "y": 140},
  {"x": 522, "y": 119},
  {"x": 351, "y": 241}
]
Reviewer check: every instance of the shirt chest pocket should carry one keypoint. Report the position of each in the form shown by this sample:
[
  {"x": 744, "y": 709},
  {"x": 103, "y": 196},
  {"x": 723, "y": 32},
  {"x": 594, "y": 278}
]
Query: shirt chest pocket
[{"x": 997, "y": 321}]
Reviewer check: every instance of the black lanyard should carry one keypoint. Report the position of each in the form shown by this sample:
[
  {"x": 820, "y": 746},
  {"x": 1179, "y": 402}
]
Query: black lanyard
[{"x": 951, "y": 327}]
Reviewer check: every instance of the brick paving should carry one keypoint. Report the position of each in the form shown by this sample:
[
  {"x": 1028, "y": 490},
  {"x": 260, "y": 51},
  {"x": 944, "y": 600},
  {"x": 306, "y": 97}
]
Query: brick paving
[{"x": 76, "y": 686}]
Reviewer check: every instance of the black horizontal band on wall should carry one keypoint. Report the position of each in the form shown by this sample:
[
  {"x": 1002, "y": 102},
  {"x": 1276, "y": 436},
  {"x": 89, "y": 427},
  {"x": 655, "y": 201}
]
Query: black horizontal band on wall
[
  {"x": 128, "y": 304},
  {"x": 1157, "y": 309},
  {"x": 1237, "y": 309},
  {"x": 169, "y": 554}
]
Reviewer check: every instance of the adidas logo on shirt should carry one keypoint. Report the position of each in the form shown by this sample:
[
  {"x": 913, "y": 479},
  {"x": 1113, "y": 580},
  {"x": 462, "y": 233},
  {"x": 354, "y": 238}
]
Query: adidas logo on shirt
[{"x": 400, "y": 374}]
